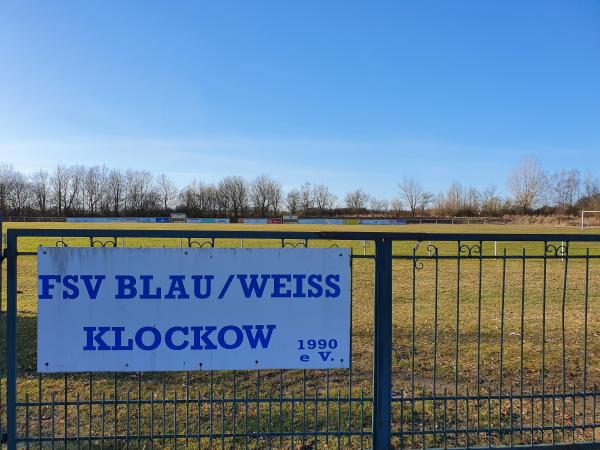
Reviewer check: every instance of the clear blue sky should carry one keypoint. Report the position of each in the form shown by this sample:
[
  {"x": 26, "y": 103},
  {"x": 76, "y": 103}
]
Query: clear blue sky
[{"x": 341, "y": 92}]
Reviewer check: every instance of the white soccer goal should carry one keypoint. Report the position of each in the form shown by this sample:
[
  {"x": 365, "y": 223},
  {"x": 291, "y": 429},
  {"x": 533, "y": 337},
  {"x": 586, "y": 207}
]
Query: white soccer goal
[
  {"x": 178, "y": 218},
  {"x": 584, "y": 213}
]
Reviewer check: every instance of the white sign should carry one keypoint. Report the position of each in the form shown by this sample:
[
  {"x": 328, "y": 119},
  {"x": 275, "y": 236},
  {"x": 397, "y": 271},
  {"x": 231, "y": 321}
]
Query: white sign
[{"x": 119, "y": 309}]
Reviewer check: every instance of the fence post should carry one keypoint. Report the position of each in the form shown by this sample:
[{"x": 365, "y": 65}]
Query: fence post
[
  {"x": 11, "y": 341},
  {"x": 382, "y": 346}
]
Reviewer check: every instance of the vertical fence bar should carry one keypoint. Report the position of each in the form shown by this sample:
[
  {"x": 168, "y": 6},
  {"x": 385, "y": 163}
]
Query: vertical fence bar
[
  {"x": 564, "y": 252},
  {"x": 413, "y": 350},
  {"x": 382, "y": 343},
  {"x": 11, "y": 341},
  {"x": 585, "y": 335},
  {"x": 543, "y": 371}
]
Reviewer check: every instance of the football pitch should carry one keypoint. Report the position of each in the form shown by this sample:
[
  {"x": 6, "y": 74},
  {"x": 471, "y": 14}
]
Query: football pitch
[{"x": 462, "y": 326}]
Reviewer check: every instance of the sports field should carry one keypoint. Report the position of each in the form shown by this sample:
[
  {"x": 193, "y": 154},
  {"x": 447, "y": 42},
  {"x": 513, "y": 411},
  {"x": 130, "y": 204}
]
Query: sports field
[{"x": 495, "y": 330}]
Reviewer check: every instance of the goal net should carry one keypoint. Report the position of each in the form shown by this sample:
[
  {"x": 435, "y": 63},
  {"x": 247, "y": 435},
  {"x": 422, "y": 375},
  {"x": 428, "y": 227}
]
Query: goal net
[
  {"x": 590, "y": 219},
  {"x": 178, "y": 218}
]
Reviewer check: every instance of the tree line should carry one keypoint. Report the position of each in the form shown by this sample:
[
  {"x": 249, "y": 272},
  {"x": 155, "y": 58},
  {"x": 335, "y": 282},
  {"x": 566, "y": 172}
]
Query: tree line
[{"x": 100, "y": 191}]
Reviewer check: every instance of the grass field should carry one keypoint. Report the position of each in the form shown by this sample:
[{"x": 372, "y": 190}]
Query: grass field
[{"x": 494, "y": 309}]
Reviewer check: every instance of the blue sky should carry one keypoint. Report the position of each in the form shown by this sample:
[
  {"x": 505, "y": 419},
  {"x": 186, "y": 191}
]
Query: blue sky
[{"x": 351, "y": 94}]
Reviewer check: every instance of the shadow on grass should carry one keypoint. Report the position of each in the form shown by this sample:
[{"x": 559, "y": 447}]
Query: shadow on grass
[{"x": 26, "y": 342}]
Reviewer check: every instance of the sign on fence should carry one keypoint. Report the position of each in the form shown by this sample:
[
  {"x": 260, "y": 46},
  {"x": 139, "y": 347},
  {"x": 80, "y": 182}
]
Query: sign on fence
[
  {"x": 207, "y": 220},
  {"x": 382, "y": 221},
  {"x": 124, "y": 309}
]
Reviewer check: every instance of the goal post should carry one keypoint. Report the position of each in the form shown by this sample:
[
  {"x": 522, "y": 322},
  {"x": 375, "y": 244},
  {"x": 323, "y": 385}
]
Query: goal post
[
  {"x": 178, "y": 218},
  {"x": 584, "y": 213}
]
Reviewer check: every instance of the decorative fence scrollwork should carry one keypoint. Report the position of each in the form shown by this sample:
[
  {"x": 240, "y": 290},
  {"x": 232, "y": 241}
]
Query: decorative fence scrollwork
[
  {"x": 556, "y": 251},
  {"x": 201, "y": 244},
  {"x": 469, "y": 251},
  {"x": 104, "y": 244}
]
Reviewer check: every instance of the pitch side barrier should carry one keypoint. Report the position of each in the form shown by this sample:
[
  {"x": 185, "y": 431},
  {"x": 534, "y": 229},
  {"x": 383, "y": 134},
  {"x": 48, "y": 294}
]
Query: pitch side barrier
[
  {"x": 272, "y": 220},
  {"x": 453, "y": 343}
]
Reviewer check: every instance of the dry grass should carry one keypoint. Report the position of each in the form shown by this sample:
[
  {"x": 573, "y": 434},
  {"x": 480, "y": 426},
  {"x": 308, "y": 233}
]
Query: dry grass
[{"x": 413, "y": 354}]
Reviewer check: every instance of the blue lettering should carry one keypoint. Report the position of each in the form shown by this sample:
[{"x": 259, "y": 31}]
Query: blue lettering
[
  {"x": 169, "y": 338},
  {"x": 279, "y": 283},
  {"x": 180, "y": 337},
  {"x": 140, "y": 334},
  {"x": 119, "y": 341},
  {"x": 146, "y": 294},
  {"x": 125, "y": 287},
  {"x": 332, "y": 283},
  {"x": 70, "y": 290},
  {"x": 299, "y": 292},
  {"x": 239, "y": 337},
  {"x": 198, "y": 285},
  {"x": 253, "y": 287},
  {"x": 177, "y": 286},
  {"x": 314, "y": 282},
  {"x": 92, "y": 290},
  {"x": 92, "y": 336},
  {"x": 47, "y": 284},
  {"x": 324, "y": 355},
  {"x": 203, "y": 337},
  {"x": 253, "y": 339}
]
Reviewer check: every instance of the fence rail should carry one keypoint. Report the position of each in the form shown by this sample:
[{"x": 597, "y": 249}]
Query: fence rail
[{"x": 458, "y": 340}]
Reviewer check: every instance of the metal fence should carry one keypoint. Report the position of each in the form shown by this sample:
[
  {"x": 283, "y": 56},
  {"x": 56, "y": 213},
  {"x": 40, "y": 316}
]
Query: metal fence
[{"x": 458, "y": 340}]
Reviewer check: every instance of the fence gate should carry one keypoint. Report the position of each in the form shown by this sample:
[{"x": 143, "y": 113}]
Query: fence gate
[{"x": 458, "y": 340}]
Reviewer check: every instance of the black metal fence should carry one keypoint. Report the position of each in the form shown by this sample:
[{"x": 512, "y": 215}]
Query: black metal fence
[{"x": 459, "y": 340}]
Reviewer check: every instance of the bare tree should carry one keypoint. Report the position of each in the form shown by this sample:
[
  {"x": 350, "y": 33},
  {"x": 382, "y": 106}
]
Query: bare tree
[
  {"x": 207, "y": 198},
  {"x": 356, "y": 200},
  {"x": 455, "y": 198},
  {"x": 424, "y": 201},
  {"x": 59, "y": 182},
  {"x": 115, "y": 190},
  {"x": 93, "y": 188},
  {"x": 293, "y": 201},
  {"x": 198, "y": 198},
  {"x": 460, "y": 200},
  {"x": 20, "y": 193},
  {"x": 306, "y": 198},
  {"x": 74, "y": 188},
  {"x": 379, "y": 205},
  {"x": 188, "y": 197},
  {"x": 396, "y": 206},
  {"x": 139, "y": 194},
  {"x": 473, "y": 201},
  {"x": 166, "y": 190},
  {"x": 265, "y": 195},
  {"x": 7, "y": 177},
  {"x": 491, "y": 204},
  {"x": 324, "y": 199},
  {"x": 259, "y": 196},
  {"x": 414, "y": 195},
  {"x": 275, "y": 197},
  {"x": 233, "y": 195},
  {"x": 526, "y": 183},
  {"x": 566, "y": 186},
  {"x": 40, "y": 187},
  {"x": 591, "y": 185}
]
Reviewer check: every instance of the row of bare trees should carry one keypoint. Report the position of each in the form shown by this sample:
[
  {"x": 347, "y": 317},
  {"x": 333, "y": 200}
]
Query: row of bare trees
[
  {"x": 100, "y": 191},
  {"x": 76, "y": 190},
  {"x": 531, "y": 188},
  {"x": 232, "y": 196},
  {"x": 565, "y": 191}
]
